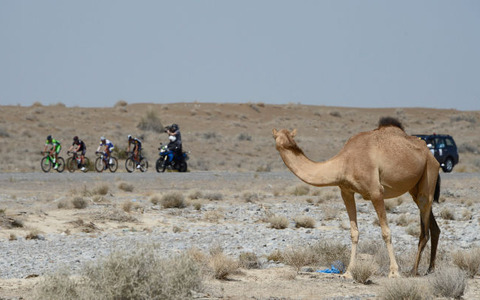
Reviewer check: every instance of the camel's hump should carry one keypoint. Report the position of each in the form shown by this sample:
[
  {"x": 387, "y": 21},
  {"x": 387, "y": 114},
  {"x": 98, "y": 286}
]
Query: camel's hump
[{"x": 390, "y": 121}]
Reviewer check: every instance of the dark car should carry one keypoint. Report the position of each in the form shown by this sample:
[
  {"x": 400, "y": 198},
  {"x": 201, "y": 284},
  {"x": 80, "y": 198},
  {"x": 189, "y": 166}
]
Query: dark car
[{"x": 443, "y": 148}]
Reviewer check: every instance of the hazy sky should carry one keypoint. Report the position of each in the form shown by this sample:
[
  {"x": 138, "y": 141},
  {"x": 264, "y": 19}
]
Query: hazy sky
[{"x": 342, "y": 53}]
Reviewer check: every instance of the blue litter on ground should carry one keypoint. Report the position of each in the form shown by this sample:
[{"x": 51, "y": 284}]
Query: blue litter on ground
[{"x": 337, "y": 268}]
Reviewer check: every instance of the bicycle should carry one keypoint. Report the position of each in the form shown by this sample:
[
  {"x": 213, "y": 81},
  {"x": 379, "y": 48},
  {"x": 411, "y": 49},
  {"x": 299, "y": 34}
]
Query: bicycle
[
  {"x": 102, "y": 162},
  {"x": 131, "y": 164},
  {"x": 73, "y": 162},
  {"x": 47, "y": 162}
]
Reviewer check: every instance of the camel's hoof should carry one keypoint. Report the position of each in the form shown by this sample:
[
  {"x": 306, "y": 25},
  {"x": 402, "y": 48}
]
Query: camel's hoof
[
  {"x": 430, "y": 271},
  {"x": 394, "y": 274},
  {"x": 347, "y": 275}
]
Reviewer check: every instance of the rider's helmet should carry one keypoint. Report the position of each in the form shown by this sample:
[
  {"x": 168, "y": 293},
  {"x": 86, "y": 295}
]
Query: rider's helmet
[
  {"x": 172, "y": 138},
  {"x": 49, "y": 138},
  {"x": 75, "y": 138},
  {"x": 174, "y": 127},
  {"x": 102, "y": 138},
  {"x": 129, "y": 137}
]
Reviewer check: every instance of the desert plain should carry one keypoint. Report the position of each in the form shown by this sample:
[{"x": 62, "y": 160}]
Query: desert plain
[{"x": 236, "y": 184}]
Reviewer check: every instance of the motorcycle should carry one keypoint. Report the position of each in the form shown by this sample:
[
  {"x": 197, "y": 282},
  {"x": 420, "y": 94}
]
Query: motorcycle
[{"x": 179, "y": 162}]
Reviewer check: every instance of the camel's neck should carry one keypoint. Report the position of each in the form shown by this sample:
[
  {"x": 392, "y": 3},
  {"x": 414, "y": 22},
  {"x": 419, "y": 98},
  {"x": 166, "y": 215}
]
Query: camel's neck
[{"x": 315, "y": 173}]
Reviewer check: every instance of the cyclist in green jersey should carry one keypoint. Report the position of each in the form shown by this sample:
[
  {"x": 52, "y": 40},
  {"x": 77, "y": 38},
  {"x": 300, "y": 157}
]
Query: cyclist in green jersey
[{"x": 55, "y": 148}]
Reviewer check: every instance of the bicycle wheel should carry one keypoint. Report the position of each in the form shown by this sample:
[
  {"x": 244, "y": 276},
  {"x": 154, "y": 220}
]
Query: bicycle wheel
[
  {"x": 114, "y": 165},
  {"x": 130, "y": 165},
  {"x": 99, "y": 164},
  {"x": 143, "y": 165},
  {"x": 61, "y": 164},
  {"x": 46, "y": 164},
  {"x": 71, "y": 164},
  {"x": 86, "y": 164}
]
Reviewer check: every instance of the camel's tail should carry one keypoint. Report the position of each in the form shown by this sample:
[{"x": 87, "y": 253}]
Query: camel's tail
[{"x": 436, "y": 196}]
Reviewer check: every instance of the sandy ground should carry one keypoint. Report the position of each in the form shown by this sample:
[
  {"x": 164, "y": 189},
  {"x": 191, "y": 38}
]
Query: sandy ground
[{"x": 29, "y": 196}]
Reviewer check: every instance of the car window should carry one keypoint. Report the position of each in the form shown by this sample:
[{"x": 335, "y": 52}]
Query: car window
[
  {"x": 449, "y": 142},
  {"x": 440, "y": 143}
]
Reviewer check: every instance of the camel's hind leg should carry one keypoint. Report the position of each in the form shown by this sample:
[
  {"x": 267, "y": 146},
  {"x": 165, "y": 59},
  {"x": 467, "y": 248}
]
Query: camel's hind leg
[
  {"x": 435, "y": 232},
  {"x": 423, "y": 196}
]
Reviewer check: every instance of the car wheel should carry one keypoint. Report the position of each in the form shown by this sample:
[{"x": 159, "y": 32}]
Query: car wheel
[{"x": 448, "y": 165}]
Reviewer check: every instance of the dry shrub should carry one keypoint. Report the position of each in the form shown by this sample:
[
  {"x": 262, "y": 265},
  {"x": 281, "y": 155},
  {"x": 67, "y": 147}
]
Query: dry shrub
[
  {"x": 413, "y": 229},
  {"x": 299, "y": 257},
  {"x": 468, "y": 261},
  {"x": 304, "y": 221},
  {"x": 329, "y": 212},
  {"x": 121, "y": 103},
  {"x": 155, "y": 199},
  {"x": 141, "y": 275},
  {"x": 278, "y": 222},
  {"x": 301, "y": 190},
  {"x": 127, "y": 206},
  {"x": 126, "y": 187},
  {"x": 114, "y": 214},
  {"x": 33, "y": 235},
  {"x": 173, "y": 200},
  {"x": 249, "y": 260},
  {"x": 9, "y": 222},
  {"x": 222, "y": 266},
  {"x": 328, "y": 252},
  {"x": 195, "y": 195},
  {"x": 276, "y": 256},
  {"x": 213, "y": 216},
  {"x": 449, "y": 282},
  {"x": 402, "y": 220},
  {"x": 447, "y": 214},
  {"x": 250, "y": 197},
  {"x": 79, "y": 203},
  {"x": 64, "y": 203},
  {"x": 404, "y": 288},
  {"x": 362, "y": 270},
  {"x": 213, "y": 196},
  {"x": 101, "y": 189},
  {"x": 197, "y": 206},
  {"x": 151, "y": 122}
]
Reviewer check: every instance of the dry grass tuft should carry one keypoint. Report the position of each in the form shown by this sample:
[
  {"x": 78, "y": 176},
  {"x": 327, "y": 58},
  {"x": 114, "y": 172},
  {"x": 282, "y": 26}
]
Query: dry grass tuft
[
  {"x": 141, "y": 275},
  {"x": 299, "y": 257},
  {"x": 101, "y": 189},
  {"x": 126, "y": 187},
  {"x": 278, "y": 222},
  {"x": 79, "y": 203},
  {"x": 304, "y": 221},
  {"x": 173, "y": 200},
  {"x": 222, "y": 266},
  {"x": 155, "y": 199},
  {"x": 213, "y": 196},
  {"x": 468, "y": 261},
  {"x": 447, "y": 214},
  {"x": 404, "y": 288},
  {"x": 448, "y": 282},
  {"x": 249, "y": 260},
  {"x": 301, "y": 190},
  {"x": 362, "y": 270},
  {"x": 276, "y": 256},
  {"x": 151, "y": 122}
]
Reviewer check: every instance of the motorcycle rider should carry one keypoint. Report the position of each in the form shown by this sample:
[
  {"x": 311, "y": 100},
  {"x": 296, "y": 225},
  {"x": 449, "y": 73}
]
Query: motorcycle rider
[
  {"x": 174, "y": 130},
  {"x": 79, "y": 147},
  {"x": 174, "y": 148}
]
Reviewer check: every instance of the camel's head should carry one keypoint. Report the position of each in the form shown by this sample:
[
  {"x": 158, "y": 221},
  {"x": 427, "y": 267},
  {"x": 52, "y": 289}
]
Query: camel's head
[{"x": 284, "y": 139}]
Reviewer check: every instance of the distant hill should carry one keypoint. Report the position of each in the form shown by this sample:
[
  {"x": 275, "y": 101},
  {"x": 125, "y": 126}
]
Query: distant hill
[{"x": 236, "y": 137}]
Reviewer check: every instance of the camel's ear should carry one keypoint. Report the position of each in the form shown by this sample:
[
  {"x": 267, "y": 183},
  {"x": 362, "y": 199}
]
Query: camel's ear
[
  {"x": 275, "y": 132},
  {"x": 293, "y": 133}
]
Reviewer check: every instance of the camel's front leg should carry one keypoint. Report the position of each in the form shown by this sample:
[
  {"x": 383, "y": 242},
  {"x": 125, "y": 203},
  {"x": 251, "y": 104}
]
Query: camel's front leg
[
  {"x": 349, "y": 200},
  {"x": 379, "y": 205}
]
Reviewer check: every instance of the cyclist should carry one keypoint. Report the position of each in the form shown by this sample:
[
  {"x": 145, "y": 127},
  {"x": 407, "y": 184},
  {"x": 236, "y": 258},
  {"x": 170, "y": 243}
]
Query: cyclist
[
  {"x": 107, "y": 147},
  {"x": 55, "y": 148},
  {"x": 137, "y": 148},
  {"x": 79, "y": 147}
]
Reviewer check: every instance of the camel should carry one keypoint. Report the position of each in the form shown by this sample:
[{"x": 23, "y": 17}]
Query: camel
[{"x": 379, "y": 164}]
